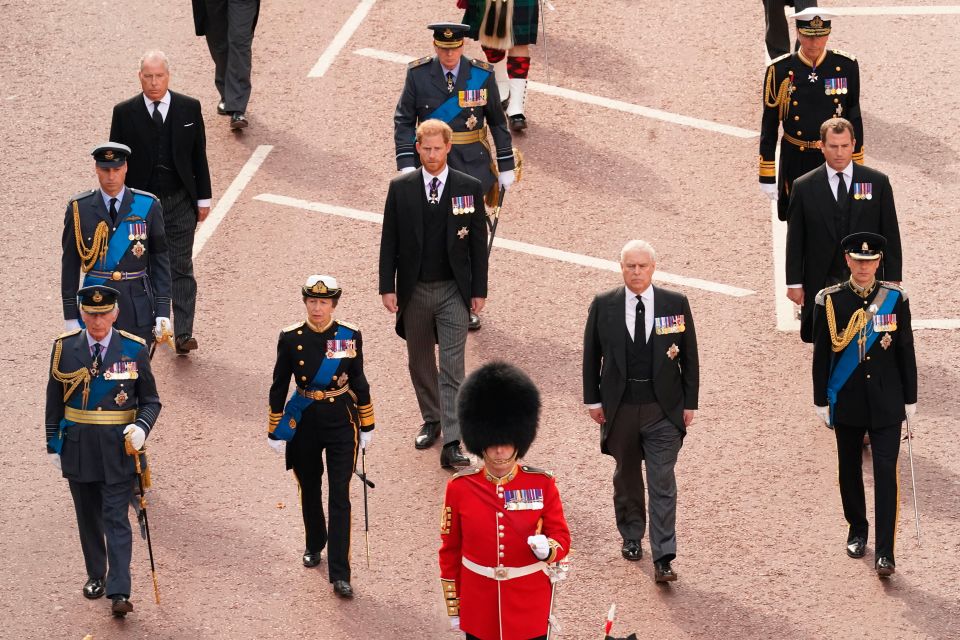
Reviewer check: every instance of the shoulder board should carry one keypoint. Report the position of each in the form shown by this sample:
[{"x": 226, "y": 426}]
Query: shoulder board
[
  {"x": 483, "y": 64},
  {"x": 466, "y": 472},
  {"x": 823, "y": 293},
  {"x": 293, "y": 327},
  {"x": 845, "y": 54},
  {"x": 349, "y": 325},
  {"x": 543, "y": 472},
  {"x": 894, "y": 287},
  {"x": 83, "y": 194},
  {"x": 779, "y": 58},
  {"x": 67, "y": 334},
  {"x": 131, "y": 336},
  {"x": 143, "y": 193},
  {"x": 419, "y": 62}
]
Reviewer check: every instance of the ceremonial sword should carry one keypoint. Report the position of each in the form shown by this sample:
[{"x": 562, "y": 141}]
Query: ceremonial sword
[
  {"x": 913, "y": 479},
  {"x": 128, "y": 446},
  {"x": 362, "y": 474}
]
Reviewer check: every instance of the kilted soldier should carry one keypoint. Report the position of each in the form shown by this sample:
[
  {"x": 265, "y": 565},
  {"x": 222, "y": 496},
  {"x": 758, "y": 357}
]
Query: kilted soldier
[
  {"x": 330, "y": 410},
  {"x": 505, "y": 30},
  {"x": 865, "y": 381},
  {"x": 502, "y": 522}
]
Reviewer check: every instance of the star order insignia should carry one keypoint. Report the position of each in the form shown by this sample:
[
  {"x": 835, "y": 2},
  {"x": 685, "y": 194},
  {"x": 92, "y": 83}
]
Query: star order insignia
[
  {"x": 813, "y": 77},
  {"x": 885, "y": 341},
  {"x": 471, "y": 121},
  {"x": 462, "y": 233},
  {"x": 121, "y": 398},
  {"x": 138, "y": 249},
  {"x": 673, "y": 351}
]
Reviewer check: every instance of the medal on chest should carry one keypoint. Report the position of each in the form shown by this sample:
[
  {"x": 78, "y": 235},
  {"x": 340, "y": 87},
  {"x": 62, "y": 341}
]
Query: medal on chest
[
  {"x": 522, "y": 499},
  {"x": 337, "y": 349},
  {"x": 121, "y": 398}
]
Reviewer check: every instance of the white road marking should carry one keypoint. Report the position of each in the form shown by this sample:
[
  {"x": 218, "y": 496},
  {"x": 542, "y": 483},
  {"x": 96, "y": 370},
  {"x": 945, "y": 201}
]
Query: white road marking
[
  {"x": 935, "y": 10},
  {"x": 208, "y": 226},
  {"x": 340, "y": 40},
  {"x": 938, "y": 323},
  {"x": 599, "y": 101},
  {"x": 786, "y": 310},
  {"x": 513, "y": 245}
]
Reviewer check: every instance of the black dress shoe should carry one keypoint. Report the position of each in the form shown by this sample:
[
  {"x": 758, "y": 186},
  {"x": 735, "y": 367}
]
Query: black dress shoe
[
  {"x": 518, "y": 122},
  {"x": 238, "y": 120},
  {"x": 663, "y": 572},
  {"x": 342, "y": 588},
  {"x": 474, "y": 323},
  {"x": 93, "y": 588},
  {"x": 222, "y": 109},
  {"x": 631, "y": 550},
  {"x": 428, "y": 434},
  {"x": 452, "y": 458},
  {"x": 885, "y": 567},
  {"x": 856, "y": 547},
  {"x": 121, "y": 606},
  {"x": 311, "y": 558},
  {"x": 186, "y": 344}
]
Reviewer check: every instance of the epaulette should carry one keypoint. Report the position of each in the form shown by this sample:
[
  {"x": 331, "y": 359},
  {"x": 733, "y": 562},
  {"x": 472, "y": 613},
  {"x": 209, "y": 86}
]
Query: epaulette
[
  {"x": 482, "y": 64},
  {"x": 349, "y": 325},
  {"x": 67, "y": 334},
  {"x": 779, "y": 58},
  {"x": 82, "y": 195},
  {"x": 419, "y": 62},
  {"x": 845, "y": 54},
  {"x": 543, "y": 472},
  {"x": 823, "y": 293},
  {"x": 142, "y": 192},
  {"x": 293, "y": 327},
  {"x": 132, "y": 337},
  {"x": 467, "y": 472},
  {"x": 894, "y": 287}
]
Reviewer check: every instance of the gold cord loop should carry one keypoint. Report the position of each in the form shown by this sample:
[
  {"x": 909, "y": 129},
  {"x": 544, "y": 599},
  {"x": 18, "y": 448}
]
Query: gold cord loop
[
  {"x": 89, "y": 256},
  {"x": 70, "y": 380}
]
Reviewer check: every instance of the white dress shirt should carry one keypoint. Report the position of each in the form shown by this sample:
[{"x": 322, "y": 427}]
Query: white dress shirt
[
  {"x": 164, "y": 105},
  {"x": 103, "y": 343},
  {"x": 107, "y": 198},
  {"x": 630, "y": 310},
  {"x": 442, "y": 177}
]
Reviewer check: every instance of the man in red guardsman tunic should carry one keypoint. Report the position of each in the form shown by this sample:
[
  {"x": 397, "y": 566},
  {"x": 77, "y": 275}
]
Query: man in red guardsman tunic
[{"x": 502, "y": 523}]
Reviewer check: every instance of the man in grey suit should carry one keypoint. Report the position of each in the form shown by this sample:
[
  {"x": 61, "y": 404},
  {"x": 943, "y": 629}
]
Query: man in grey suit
[
  {"x": 433, "y": 273},
  {"x": 641, "y": 380},
  {"x": 100, "y": 393}
]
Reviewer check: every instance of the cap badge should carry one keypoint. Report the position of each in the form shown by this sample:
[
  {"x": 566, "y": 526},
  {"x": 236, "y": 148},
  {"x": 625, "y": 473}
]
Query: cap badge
[
  {"x": 108, "y": 154},
  {"x": 448, "y": 33},
  {"x": 319, "y": 287},
  {"x": 97, "y": 297},
  {"x": 816, "y": 23},
  {"x": 865, "y": 247}
]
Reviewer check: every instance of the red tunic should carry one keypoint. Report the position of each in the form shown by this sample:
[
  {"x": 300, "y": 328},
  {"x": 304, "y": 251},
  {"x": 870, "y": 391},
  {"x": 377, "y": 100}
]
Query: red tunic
[{"x": 487, "y": 522}]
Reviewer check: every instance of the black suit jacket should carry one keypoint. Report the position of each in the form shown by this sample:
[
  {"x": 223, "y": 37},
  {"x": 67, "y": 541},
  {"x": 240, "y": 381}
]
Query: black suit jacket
[
  {"x": 95, "y": 453},
  {"x": 676, "y": 381},
  {"x": 813, "y": 242},
  {"x": 401, "y": 242},
  {"x": 133, "y": 126}
]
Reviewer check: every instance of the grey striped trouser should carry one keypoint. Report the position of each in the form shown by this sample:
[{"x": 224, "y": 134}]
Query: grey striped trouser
[
  {"x": 437, "y": 315},
  {"x": 180, "y": 223}
]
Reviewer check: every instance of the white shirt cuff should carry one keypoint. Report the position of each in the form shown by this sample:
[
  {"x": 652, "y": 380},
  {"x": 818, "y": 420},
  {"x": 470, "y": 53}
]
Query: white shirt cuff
[
  {"x": 203, "y": 203},
  {"x": 794, "y": 286},
  {"x": 596, "y": 405}
]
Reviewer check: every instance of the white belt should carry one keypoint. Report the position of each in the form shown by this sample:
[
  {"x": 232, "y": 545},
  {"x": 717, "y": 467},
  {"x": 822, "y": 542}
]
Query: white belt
[{"x": 501, "y": 574}]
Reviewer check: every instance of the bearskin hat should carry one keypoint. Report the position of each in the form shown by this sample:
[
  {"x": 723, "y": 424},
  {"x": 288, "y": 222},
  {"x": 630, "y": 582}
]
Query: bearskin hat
[{"x": 498, "y": 404}]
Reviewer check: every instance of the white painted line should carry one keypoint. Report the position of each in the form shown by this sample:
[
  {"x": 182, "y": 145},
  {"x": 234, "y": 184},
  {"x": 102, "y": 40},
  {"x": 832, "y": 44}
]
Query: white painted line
[
  {"x": 513, "y": 245},
  {"x": 934, "y": 10},
  {"x": 941, "y": 323},
  {"x": 341, "y": 39},
  {"x": 208, "y": 226},
  {"x": 786, "y": 310},
  {"x": 599, "y": 101}
]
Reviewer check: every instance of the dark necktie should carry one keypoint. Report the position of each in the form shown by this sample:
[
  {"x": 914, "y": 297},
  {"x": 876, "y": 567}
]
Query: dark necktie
[
  {"x": 113, "y": 211},
  {"x": 843, "y": 202},
  {"x": 157, "y": 118},
  {"x": 434, "y": 191},
  {"x": 640, "y": 324},
  {"x": 449, "y": 81},
  {"x": 97, "y": 360},
  {"x": 841, "y": 190}
]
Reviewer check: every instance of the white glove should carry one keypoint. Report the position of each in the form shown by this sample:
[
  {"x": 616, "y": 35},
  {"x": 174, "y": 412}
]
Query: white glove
[
  {"x": 454, "y": 623},
  {"x": 823, "y": 413},
  {"x": 769, "y": 190},
  {"x": 277, "y": 445},
  {"x": 54, "y": 459},
  {"x": 70, "y": 325},
  {"x": 910, "y": 409},
  {"x": 407, "y": 170},
  {"x": 158, "y": 330},
  {"x": 539, "y": 546},
  {"x": 507, "y": 178},
  {"x": 366, "y": 437},
  {"x": 137, "y": 435}
]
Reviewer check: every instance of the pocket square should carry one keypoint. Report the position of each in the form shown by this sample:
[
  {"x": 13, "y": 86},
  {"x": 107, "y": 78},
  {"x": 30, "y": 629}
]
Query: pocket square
[{"x": 188, "y": 125}]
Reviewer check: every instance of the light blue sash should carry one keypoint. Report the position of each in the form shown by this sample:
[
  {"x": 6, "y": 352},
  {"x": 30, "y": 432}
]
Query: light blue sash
[{"x": 120, "y": 242}]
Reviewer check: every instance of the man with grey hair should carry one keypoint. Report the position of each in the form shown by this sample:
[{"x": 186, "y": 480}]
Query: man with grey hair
[
  {"x": 641, "y": 381},
  {"x": 165, "y": 132}
]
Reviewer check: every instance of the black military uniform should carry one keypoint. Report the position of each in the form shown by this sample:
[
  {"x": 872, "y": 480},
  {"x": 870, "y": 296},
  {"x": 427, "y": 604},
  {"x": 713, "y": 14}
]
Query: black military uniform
[
  {"x": 93, "y": 396},
  {"x": 865, "y": 371},
  {"x": 801, "y": 94},
  {"x": 126, "y": 249},
  {"x": 475, "y": 109},
  {"x": 327, "y": 411}
]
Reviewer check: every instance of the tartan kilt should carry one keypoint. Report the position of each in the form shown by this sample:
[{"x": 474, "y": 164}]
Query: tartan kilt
[{"x": 526, "y": 16}]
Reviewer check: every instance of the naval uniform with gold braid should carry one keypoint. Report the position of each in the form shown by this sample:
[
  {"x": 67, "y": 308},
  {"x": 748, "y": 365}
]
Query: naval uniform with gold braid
[
  {"x": 872, "y": 398},
  {"x": 339, "y": 410},
  {"x": 87, "y": 409},
  {"x": 489, "y": 575},
  {"x": 802, "y": 95}
]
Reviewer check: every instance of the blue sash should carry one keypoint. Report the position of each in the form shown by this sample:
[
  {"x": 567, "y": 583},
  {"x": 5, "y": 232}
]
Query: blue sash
[
  {"x": 120, "y": 242},
  {"x": 293, "y": 411},
  {"x": 850, "y": 358},
  {"x": 99, "y": 387},
  {"x": 449, "y": 109}
]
